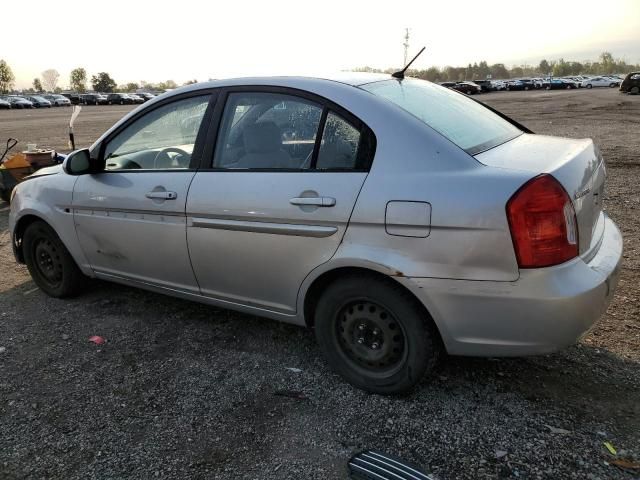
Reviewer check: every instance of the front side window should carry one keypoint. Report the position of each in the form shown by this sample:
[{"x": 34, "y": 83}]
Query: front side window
[
  {"x": 463, "y": 121},
  {"x": 267, "y": 131},
  {"x": 162, "y": 139}
]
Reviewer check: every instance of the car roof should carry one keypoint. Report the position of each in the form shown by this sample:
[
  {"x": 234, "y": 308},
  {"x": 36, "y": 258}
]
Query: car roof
[
  {"x": 311, "y": 83},
  {"x": 349, "y": 78}
]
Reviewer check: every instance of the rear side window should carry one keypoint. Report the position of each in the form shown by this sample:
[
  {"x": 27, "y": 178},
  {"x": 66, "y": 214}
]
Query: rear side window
[
  {"x": 278, "y": 131},
  {"x": 464, "y": 122}
]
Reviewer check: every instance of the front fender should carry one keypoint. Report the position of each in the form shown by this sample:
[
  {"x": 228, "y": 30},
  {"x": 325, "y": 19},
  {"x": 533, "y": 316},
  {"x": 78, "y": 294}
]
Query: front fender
[{"x": 48, "y": 198}]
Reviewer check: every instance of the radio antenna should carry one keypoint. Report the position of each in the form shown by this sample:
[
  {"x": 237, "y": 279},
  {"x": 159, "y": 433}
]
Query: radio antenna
[{"x": 400, "y": 74}]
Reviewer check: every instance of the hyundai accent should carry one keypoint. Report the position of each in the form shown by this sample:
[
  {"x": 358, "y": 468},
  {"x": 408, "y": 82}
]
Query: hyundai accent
[{"x": 397, "y": 218}]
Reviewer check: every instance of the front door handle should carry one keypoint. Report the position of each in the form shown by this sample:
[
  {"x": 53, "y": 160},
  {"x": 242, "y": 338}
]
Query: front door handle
[
  {"x": 315, "y": 201},
  {"x": 161, "y": 195}
]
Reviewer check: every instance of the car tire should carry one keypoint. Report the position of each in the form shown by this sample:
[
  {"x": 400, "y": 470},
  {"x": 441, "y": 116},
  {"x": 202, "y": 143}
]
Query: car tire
[
  {"x": 613, "y": 85},
  {"x": 375, "y": 334},
  {"x": 49, "y": 262},
  {"x": 121, "y": 102},
  {"x": 589, "y": 85},
  {"x": 547, "y": 87},
  {"x": 634, "y": 90}
]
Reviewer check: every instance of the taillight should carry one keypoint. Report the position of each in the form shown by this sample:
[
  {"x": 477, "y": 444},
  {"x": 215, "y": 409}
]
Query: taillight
[{"x": 542, "y": 223}]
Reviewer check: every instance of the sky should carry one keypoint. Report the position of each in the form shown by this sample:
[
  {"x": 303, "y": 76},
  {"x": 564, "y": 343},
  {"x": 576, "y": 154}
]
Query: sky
[{"x": 137, "y": 40}]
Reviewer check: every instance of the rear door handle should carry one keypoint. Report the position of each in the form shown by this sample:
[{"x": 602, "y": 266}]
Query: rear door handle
[
  {"x": 316, "y": 201},
  {"x": 162, "y": 195}
]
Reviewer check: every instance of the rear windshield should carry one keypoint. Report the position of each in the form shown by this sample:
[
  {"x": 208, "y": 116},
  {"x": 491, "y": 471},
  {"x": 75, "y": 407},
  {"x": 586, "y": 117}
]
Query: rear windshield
[{"x": 465, "y": 122}]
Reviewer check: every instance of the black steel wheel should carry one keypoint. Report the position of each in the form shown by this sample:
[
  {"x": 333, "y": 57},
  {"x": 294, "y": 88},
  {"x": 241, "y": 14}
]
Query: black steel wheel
[
  {"x": 49, "y": 262},
  {"x": 371, "y": 337},
  {"x": 376, "y": 334}
]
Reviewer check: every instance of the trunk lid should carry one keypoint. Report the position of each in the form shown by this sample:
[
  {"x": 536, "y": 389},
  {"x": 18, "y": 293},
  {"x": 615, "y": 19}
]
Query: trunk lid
[{"x": 576, "y": 164}]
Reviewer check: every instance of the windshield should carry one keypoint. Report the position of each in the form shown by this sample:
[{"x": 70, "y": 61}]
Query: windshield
[{"x": 463, "y": 121}]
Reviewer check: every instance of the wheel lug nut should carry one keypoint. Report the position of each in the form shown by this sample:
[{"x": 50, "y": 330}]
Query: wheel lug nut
[
  {"x": 375, "y": 345},
  {"x": 361, "y": 326},
  {"x": 360, "y": 340},
  {"x": 376, "y": 331}
]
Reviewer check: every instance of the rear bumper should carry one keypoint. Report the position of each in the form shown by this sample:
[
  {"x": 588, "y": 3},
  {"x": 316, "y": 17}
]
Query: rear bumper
[{"x": 543, "y": 311}]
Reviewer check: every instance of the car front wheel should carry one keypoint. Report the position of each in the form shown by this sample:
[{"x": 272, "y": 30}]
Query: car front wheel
[
  {"x": 49, "y": 262},
  {"x": 375, "y": 334}
]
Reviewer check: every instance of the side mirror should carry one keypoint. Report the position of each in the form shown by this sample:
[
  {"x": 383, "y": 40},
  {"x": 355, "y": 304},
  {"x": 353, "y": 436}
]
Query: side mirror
[{"x": 79, "y": 163}]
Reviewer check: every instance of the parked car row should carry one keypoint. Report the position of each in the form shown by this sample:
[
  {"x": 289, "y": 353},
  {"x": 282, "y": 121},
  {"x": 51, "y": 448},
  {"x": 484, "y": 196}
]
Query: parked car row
[
  {"x": 49, "y": 100},
  {"x": 549, "y": 83},
  {"x": 27, "y": 101},
  {"x": 108, "y": 98}
]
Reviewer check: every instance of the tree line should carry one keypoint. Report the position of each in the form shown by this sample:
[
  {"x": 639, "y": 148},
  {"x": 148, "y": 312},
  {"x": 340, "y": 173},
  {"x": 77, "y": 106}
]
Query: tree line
[
  {"x": 606, "y": 64},
  {"x": 78, "y": 81},
  {"x": 103, "y": 82}
]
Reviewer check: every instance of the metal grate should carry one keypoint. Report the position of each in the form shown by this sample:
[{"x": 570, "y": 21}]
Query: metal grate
[{"x": 372, "y": 465}]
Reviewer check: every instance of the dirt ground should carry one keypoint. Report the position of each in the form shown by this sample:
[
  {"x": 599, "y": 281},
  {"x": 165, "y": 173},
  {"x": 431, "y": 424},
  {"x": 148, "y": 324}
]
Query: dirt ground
[{"x": 182, "y": 390}]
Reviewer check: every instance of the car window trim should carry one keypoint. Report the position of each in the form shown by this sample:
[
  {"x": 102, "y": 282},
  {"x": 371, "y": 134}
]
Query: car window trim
[
  {"x": 318, "y": 143},
  {"x": 216, "y": 123},
  {"x": 201, "y": 137}
]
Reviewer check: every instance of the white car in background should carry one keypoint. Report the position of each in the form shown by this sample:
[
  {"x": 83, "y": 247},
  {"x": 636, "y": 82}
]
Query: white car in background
[
  {"x": 600, "y": 82},
  {"x": 58, "y": 100}
]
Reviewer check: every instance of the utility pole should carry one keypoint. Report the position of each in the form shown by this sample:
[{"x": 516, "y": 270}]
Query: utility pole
[{"x": 406, "y": 46}]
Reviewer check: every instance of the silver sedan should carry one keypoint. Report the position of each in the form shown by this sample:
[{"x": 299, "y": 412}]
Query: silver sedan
[{"x": 397, "y": 218}]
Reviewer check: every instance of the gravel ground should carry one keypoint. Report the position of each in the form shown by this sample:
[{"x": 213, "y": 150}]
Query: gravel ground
[{"x": 182, "y": 390}]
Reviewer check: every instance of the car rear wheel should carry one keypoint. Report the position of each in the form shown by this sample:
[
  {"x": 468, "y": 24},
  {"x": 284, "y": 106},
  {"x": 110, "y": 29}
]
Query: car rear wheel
[
  {"x": 49, "y": 262},
  {"x": 589, "y": 86},
  {"x": 375, "y": 335},
  {"x": 634, "y": 90}
]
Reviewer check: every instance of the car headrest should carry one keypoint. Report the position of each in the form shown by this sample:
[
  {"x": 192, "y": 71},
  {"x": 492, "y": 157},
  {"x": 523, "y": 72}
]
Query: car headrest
[{"x": 262, "y": 137}]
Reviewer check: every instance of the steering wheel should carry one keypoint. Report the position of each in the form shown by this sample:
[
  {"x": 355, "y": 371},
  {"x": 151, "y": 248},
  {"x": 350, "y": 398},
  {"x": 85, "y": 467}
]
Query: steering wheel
[{"x": 162, "y": 158}]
